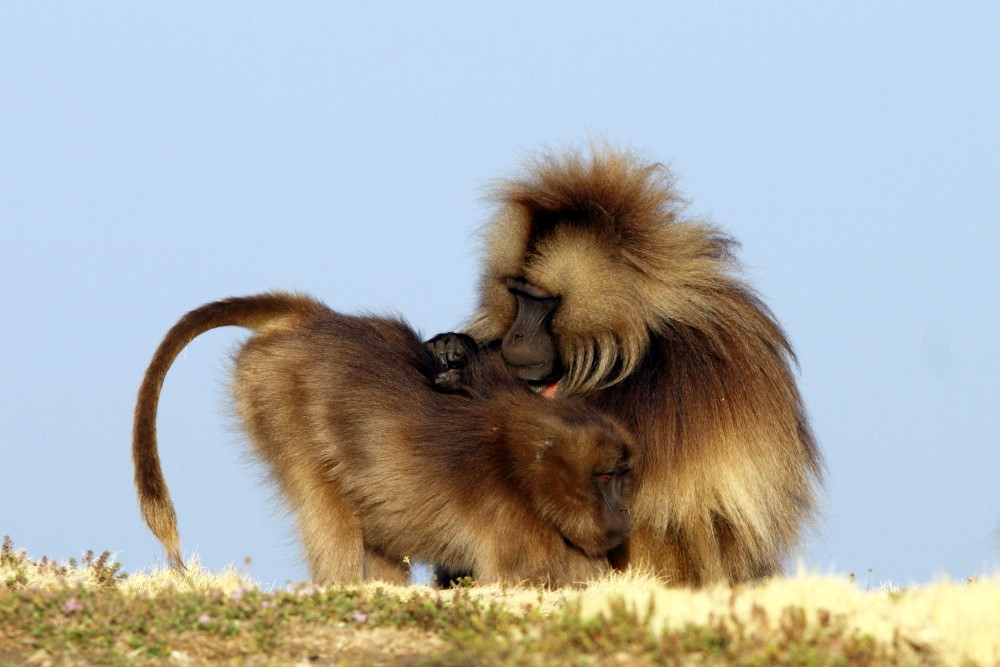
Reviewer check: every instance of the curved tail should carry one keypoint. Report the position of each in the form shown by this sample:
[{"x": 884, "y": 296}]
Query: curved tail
[{"x": 257, "y": 313}]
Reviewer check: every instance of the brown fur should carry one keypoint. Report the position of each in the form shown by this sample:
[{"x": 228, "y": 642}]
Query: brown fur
[
  {"x": 377, "y": 465},
  {"x": 656, "y": 327}
]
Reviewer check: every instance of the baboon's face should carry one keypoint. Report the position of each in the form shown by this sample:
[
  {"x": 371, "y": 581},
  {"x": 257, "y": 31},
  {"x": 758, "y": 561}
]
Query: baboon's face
[
  {"x": 574, "y": 314},
  {"x": 586, "y": 473},
  {"x": 528, "y": 347}
]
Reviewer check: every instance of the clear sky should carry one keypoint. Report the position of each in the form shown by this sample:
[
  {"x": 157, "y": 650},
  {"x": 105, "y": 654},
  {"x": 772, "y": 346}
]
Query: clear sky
[{"x": 154, "y": 157}]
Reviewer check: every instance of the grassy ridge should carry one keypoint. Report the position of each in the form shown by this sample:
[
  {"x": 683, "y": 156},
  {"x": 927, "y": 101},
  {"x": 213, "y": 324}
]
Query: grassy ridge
[{"x": 91, "y": 613}]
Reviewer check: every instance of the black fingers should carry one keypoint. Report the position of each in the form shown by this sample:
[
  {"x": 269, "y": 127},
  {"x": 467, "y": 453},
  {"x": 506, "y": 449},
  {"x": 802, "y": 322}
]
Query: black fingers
[
  {"x": 451, "y": 353},
  {"x": 451, "y": 350}
]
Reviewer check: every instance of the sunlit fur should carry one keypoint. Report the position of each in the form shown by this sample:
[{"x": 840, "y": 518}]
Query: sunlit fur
[
  {"x": 378, "y": 466},
  {"x": 657, "y": 326}
]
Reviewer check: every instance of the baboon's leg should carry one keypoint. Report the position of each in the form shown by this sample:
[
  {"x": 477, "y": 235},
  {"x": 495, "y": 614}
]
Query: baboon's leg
[
  {"x": 330, "y": 529},
  {"x": 665, "y": 554},
  {"x": 703, "y": 544},
  {"x": 379, "y": 567}
]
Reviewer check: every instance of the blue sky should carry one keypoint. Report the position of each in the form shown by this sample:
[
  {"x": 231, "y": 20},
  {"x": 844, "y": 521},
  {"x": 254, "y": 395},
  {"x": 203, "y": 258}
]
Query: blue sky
[{"x": 155, "y": 157}]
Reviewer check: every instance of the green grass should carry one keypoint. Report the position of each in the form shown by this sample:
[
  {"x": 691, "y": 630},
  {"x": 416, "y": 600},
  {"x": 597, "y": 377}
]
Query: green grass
[{"x": 91, "y": 613}]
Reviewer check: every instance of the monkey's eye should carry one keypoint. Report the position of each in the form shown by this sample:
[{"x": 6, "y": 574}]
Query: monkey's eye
[{"x": 605, "y": 477}]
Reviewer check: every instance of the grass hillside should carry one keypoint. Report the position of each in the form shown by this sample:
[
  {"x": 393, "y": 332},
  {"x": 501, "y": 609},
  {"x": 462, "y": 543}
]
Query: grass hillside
[{"x": 88, "y": 612}]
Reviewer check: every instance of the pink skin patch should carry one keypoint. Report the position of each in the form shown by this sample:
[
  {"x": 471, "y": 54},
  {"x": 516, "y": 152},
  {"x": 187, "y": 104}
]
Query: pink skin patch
[{"x": 550, "y": 390}]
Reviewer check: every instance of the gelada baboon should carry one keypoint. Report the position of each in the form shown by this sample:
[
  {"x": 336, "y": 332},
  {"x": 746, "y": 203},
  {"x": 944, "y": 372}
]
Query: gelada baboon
[
  {"x": 596, "y": 286},
  {"x": 378, "y": 465}
]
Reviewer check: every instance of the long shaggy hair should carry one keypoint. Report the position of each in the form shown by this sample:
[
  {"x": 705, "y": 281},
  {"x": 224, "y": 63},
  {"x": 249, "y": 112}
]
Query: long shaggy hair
[{"x": 656, "y": 325}]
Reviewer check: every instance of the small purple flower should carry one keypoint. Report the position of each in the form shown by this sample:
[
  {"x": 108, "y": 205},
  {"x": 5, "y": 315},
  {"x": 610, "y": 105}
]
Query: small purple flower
[
  {"x": 72, "y": 606},
  {"x": 360, "y": 616},
  {"x": 204, "y": 619}
]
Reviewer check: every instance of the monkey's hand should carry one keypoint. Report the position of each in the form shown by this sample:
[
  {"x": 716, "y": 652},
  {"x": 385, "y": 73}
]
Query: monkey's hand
[{"x": 451, "y": 353}]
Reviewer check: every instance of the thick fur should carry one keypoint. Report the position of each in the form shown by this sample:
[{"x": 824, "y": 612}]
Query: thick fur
[
  {"x": 656, "y": 326},
  {"x": 378, "y": 466}
]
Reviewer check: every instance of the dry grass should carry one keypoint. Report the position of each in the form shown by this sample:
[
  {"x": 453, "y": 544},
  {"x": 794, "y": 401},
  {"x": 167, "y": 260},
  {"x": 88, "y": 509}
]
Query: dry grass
[
  {"x": 91, "y": 613},
  {"x": 954, "y": 623}
]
